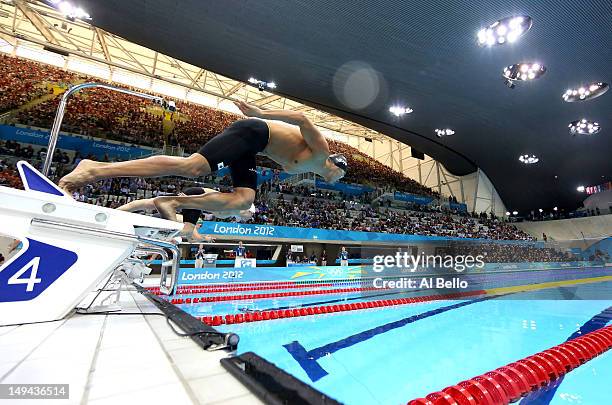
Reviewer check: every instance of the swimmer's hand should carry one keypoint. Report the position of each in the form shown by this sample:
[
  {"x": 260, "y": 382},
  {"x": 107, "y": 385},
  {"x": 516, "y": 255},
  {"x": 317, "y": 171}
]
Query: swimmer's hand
[
  {"x": 198, "y": 237},
  {"x": 248, "y": 109}
]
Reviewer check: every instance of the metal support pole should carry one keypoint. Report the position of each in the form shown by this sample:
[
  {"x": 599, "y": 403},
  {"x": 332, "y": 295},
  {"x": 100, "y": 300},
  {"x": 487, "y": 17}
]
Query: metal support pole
[
  {"x": 476, "y": 189},
  {"x": 59, "y": 115}
]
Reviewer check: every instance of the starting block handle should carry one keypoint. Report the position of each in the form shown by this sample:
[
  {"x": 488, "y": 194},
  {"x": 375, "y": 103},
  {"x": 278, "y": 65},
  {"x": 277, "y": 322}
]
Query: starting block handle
[
  {"x": 141, "y": 250},
  {"x": 156, "y": 245}
]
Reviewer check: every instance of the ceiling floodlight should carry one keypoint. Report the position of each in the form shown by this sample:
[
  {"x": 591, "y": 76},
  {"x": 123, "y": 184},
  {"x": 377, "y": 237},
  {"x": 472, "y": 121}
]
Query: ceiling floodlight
[
  {"x": 261, "y": 85},
  {"x": 580, "y": 189},
  {"x": 584, "y": 127},
  {"x": 584, "y": 93},
  {"x": 529, "y": 159},
  {"x": 522, "y": 71},
  {"x": 399, "y": 111},
  {"x": 444, "y": 132},
  {"x": 505, "y": 30},
  {"x": 69, "y": 10}
]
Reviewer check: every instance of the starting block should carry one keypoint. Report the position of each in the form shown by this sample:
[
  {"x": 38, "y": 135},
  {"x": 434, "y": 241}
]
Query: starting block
[{"x": 69, "y": 247}]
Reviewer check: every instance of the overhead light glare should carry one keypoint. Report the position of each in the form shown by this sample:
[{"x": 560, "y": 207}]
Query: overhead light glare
[
  {"x": 584, "y": 127},
  {"x": 71, "y": 11},
  {"x": 507, "y": 29},
  {"x": 444, "y": 132},
  {"x": 529, "y": 159},
  {"x": 398, "y": 111},
  {"x": 587, "y": 92},
  {"x": 522, "y": 71},
  {"x": 262, "y": 85},
  {"x": 580, "y": 189}
]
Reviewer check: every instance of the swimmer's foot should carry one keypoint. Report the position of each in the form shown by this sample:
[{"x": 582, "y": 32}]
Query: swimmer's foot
[
  {"x": 82, "y": 174},
  {"x": 166, "y": 207}
]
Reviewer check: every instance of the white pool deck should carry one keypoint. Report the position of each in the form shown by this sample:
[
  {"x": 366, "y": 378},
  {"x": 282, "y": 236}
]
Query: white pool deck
[{"x": 117, "y": 359}]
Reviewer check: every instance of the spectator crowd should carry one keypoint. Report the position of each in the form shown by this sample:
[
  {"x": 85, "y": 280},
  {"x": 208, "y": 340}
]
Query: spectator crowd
[
  {"x": 22, "y": 81},
  {"x": 104, "y": 113}
]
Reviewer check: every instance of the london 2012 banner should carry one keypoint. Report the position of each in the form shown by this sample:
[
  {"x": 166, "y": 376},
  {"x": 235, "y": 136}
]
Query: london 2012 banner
[
  {"x": 84, "y": 145},
  {"x": 286, "y": 232}
]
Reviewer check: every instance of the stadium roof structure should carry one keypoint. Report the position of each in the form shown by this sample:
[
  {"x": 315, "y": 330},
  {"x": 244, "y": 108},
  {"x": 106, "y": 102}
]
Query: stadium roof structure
[
  {"x": 36, "y": 22},
  {"x": 346, "y": 63}
]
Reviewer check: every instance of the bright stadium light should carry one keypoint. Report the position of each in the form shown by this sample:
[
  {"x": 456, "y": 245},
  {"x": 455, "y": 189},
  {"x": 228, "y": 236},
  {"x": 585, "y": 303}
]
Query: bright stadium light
[
  {"x": 541, "y": 210},
  {"x": 444, "y": 132},
  {"x": 529, "y": 159},
  {"x": 398, "y": 111},
  {"x": 555, "y": 209},
  {"x": 508, "y": 213},
  {"x": 584, "y": 93},
  {"x": 71, "y": 11},
  {"x": 506, "y": 30},
  {"x": 262, "y": 85},
  {"x": 514, "y": 212},
  {"x": 522, "y": 72},
  {"x": 580, "y": 189},
  {"x": 584, "y": 127}
]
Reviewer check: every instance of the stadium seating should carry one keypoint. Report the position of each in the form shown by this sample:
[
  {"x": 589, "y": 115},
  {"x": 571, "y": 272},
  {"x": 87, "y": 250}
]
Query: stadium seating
[
  {"x": 121, "y": 117},
  {"x": 22, "y": 81}
]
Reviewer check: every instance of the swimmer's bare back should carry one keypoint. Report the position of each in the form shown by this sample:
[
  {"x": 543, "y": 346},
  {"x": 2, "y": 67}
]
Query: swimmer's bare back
[
  {"x": 299, "y": 147},
  {"x": 288, "y": 148}
]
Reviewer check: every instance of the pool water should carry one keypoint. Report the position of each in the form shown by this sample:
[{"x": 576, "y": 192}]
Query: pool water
[{"x": 393, "y": 354}]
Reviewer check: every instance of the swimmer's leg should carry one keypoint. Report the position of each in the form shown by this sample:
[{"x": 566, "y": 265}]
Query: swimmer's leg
[
  {"x": 240, "y": 199},
  {"x": 89, "y": 171}
]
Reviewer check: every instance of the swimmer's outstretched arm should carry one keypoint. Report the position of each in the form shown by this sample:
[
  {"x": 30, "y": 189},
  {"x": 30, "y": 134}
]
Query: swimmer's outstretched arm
[
  {"x": 138, "y": 205},
  {"x": 149, "y": 205},
  {"x": 240, "y": 199},
  {"x": 315, "y": 139},
  {"x": 190, "y": 231}
]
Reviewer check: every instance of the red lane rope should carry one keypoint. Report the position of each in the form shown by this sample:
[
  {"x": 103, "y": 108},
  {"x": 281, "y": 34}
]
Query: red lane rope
[
  {"x": 269, "y": 295},
  {"x": 298, "y": 312},
  {"x": 236, "y": 289},
  {"x": 251, "y": 288},
  {"x": 217, "y": 288},
  {"x": 511, "y": 382},
  {"x": 255, "y": 288},
  {"x": 256, "y": 283}
]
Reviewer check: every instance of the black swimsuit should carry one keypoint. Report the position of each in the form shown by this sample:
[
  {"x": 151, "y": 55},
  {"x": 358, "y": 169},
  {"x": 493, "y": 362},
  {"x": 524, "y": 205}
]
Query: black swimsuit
[{"x": 236, "y": 148}]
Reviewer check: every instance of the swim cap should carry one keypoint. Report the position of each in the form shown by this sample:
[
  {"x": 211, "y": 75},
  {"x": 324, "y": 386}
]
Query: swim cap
[{"x": 339, "y": 160}]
